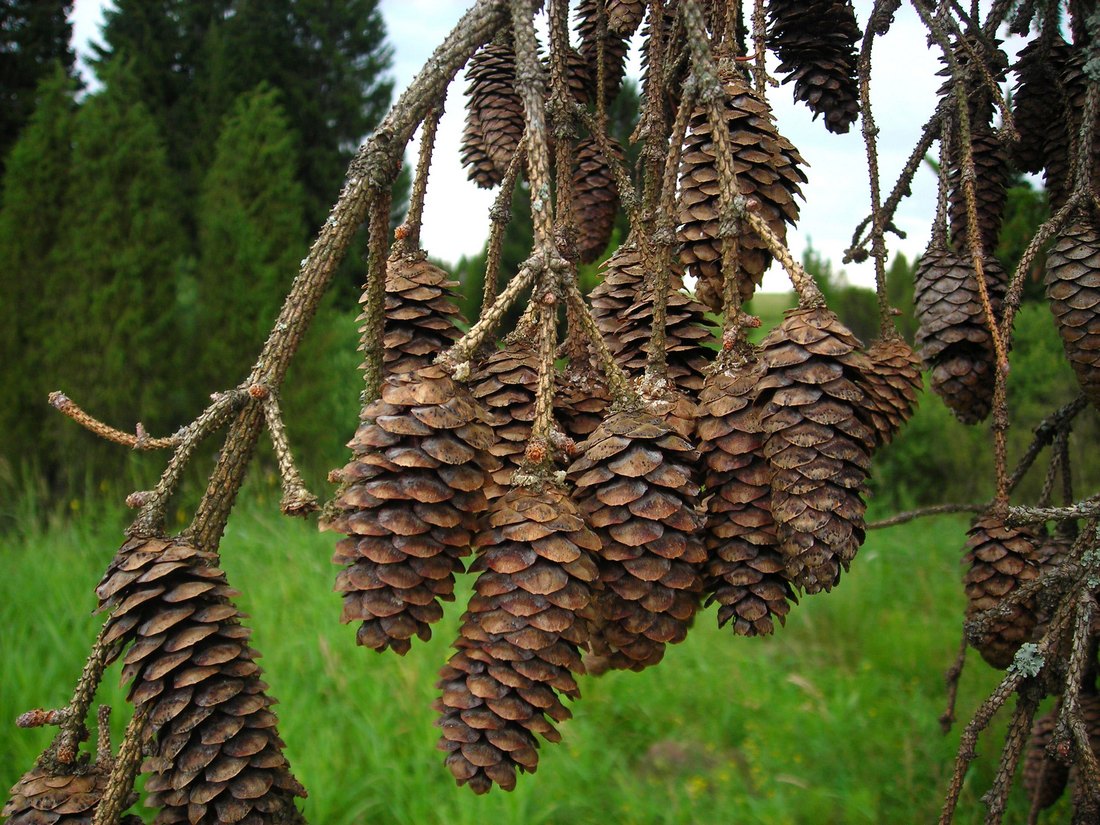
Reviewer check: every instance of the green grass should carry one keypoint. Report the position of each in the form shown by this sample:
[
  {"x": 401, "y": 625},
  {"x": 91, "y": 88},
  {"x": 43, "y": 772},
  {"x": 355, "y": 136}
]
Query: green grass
[{"x": 834, "y": 720}]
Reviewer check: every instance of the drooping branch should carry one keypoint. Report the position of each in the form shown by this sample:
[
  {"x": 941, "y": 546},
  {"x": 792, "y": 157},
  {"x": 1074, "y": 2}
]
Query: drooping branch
[{"x": 138, "y": 440}]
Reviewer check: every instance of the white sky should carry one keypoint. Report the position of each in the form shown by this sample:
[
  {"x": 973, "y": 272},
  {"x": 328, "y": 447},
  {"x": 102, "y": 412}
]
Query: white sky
[{"x": 903, "y": 96}]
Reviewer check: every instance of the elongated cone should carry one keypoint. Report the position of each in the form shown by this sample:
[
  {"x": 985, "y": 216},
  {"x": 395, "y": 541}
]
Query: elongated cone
[
  {"x": 520, "y": 638},
  {"x": 421, "y": 311},
  {"x": 810, "y": 406},
  {"x": 636, "y": 484},
  {"x": 999, "y": 560},
  {"x": 1073, "y": 288},
  {"x": 815, "y": 43},
  {"x": 1037, "y": 100},
  {"x": 504, "y": 384},
  {"x": 745, "y": 571},
  {"x": 954, "y": 338},
  {"x": 615, "y": 47},
  {"x": 475, "y": 157},
  {"x": 891, "y": 384},
  {"x": 44, "y": 796},
  {"x": 624, "y": 16},
  {"x": 767, "y": 169},
  {"x": 623, "y": 276},
  {"x": 595, "y": 199},
  {"x": 992, "y": 178},
  {"x": 1064, "y": 132},
  {"x": 494, "y": 111},
  {"x": 408, "y": 505},
  {"x": 1044, "y": 776},
  {"x": 217, "y": 755}
]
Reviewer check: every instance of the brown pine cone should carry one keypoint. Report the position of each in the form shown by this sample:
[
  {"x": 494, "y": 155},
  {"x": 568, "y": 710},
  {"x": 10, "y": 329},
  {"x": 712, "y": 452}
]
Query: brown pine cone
[
  {"x": 408, "y": 505},
  {"x": 217, "y": 756},
  {"x": 891, "y": 384},
  {"x": 504, "y": 383},
  {"x": 636, "y": 485},
  {"x": 581, "y": 399},
  {"x": 954, "y": 338},
  {"x": 67, "y": 796},
  {"x": 767, "y": 168},
  {"x": 1044, "y": 776},
  {"x": 624, "y": 16},
  {"x": 614, "y": 50},
  {"x": 475, "y": 156},
  {"x": 1073, "y": 289},
  {"x": 999, "y": 560},
  {"x": 595, "y": 199},
  {"x": 815, "y": 43},
  {"x": 1064, "y": 132},
  {"x": 1036, "y": 100},
  {"x": 745, "y": 571},
  {"x": 494, "y": 110},
  {"x": 815, "y": 442},
  {"x": 623, "y": 276},
  {"x": 520, "y": 638},
  {"x": 991, "y": 182},
  {"x": 421, "y": 311}
]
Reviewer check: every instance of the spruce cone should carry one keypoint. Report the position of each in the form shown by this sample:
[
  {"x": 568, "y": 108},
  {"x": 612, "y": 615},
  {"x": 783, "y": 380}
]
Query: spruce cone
[
  {"x": 494, "y": 110},
  {"x": 408, "y": 505},
  {"x": 1065, "y": 130},
  {"x": 1036, "y": 100},
  {"x": 954, "y": 338},
  {"x": 815, "y": 43},
  {"x": 614, "y": 50},
  {"x": 475, "y": 157},
  {"x": 520, "y": 638},
  {"x": 891, "y": 384},
  {"x": 767, "y": 168},
  {"x": 1073, "y": 288},
  {"x": 745, "y": 570},
  {"x": 1044, "y": 776},
  {"x": 581, "y": 399},
  {"x": 504, "y": 383},
  {"x": 595, "y": 199},
  {"x": 1000, "y": 559},
  {"x": 990, "y": 191},
  {"x": 218, "y": 757},
  {"x": 46, "y": 797},
  {"x": 623, "y": 276},
  {"x": 636, "y": 485},
  {"x": 817, "y": 447},
  {"x": 624, "y": 16},
  {"x": 420, "y": 314}
]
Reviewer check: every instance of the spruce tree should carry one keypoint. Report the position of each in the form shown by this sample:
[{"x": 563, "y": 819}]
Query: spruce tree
[
  {"x": 113, "y": 284},
  {"x": 251, "y": 235},
  {"x": 34, "y": 37},
  {"x": 35, "y": 183}
]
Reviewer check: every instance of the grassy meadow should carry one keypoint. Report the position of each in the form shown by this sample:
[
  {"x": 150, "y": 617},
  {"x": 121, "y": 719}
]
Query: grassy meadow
[{"x": 834, "y": 720}]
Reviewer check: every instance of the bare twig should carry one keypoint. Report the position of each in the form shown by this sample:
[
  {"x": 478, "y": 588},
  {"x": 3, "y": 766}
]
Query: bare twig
[
  {"x": 297, "y": 500},
  {"x": 951, "y": 680},
  {"x": 139, "y": 440}
]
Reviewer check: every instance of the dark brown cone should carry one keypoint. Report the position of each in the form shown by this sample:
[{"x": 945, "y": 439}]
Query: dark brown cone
[
  {"x": 520, "y": 638},
  {"x": 953, "y": 337},
  {"x": 493, "y": 107},
  {"x": 408, "y": 505},
  {"x": 475, "y": 157},
  {"x": 990, "y": 191},
  {"x": 1036, "y": 100},
  {"x": 217, "y": 756},
  {"x": 44, "y": 796},
  {"x": 637, "y": 487},
  {"x": 891, "y": 385},
  {"x": 1064, "y": 132},
  {"x": 624, "y": 16},
  {"x": 421, "y": 311},
  {"x": 1073, "y": 289},
  {"x": 614, "y": 50},
  {"x": 767, "y": 168},
  {"x": 979, "y": 98},
  {"x": 504, "y": 383},
  {"x": 629, "y": 332},
  {"x": 581, "y": 399},
  {"x": 815, "y": 43},
  {"x": 745, "y": 571},
  {"x": 815, "y": 442},
  {"x": 999, "y": 559},
  {"x": 1044, "y": 776},
  {"x": 595, "y": 199}
]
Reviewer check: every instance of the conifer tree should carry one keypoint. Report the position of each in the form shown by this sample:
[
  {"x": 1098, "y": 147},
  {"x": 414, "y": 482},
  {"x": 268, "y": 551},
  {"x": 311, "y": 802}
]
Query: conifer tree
[
  {"x": 112, "y": 288},
  {"x": 35, "y": 183}
]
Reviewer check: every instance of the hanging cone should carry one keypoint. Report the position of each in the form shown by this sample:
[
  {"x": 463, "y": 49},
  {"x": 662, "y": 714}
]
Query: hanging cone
[
  {"x": 954, "y": 338},
  {"x": 999, "y": 560},
  {"x": 745, "y": 571},
  {"x": 581, "y": 399},
  {"x": 815, "y": 43},
  {"x": 1065, "y": 130},
  {"x": 767, "y": 168},
  {"x": 990, "y": 191},
  {"x": 217, "y": 755},
  {"x": 624, "y": 16},
  {"x": 493, "y": 107},
  {"x": 44, "y": 796},
  {"x": 520, "y": 638},
  {"x": 408, "y": 505},
  {"x": 475, "y": 157},
  {"x": 578, "y": 77},
  {"x": 817, "y": 446},
  {"x": 623, "y": 275},
  {"x": 1036, "y": 100},
  {"x": 595, "y": 199},
  {"x": 1044, "y": 776},
  {"x": 636, "y": 485},
  {"x": 504, "y": 383},
  {"x": 891, "y": 385},
  {"x": 421, "y": 311},
  {"x": 614, "y": 50},
  {"x": 1073, "y": 288}
]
